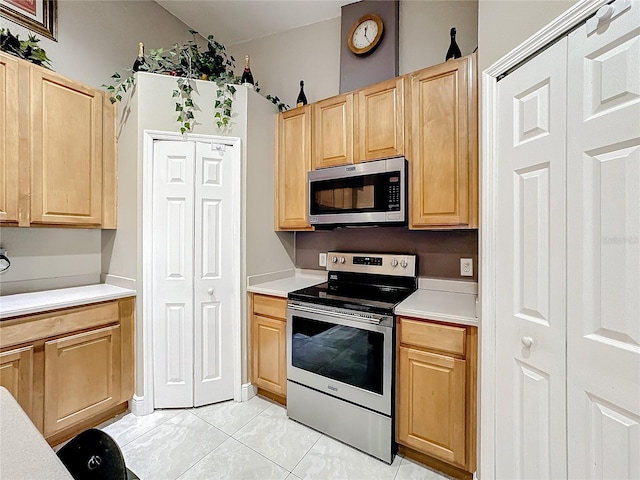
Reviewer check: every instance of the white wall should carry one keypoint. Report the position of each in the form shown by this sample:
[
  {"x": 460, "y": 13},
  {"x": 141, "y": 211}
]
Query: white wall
[
  {"x": 312, "y": 53},
  {"x": 505, "y": 24},
  {"x": 95, "y": 39}
]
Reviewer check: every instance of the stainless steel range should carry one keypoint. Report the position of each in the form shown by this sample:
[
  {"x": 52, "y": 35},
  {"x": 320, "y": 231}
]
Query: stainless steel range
[{"x": 340, "y": 349}]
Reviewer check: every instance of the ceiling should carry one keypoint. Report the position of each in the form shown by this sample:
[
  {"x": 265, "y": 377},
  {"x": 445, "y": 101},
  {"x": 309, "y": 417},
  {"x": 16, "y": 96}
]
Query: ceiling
[{"x": 238, "y": 21}]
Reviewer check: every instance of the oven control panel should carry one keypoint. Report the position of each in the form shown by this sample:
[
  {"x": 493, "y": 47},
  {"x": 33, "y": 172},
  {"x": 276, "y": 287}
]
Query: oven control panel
[{"x": 381, "y": 264}]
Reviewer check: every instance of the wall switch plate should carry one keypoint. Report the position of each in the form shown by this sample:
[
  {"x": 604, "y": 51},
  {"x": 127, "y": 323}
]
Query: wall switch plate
[
  {"x": 322, "y": 259},
  {"x": 466, "y": 267}
]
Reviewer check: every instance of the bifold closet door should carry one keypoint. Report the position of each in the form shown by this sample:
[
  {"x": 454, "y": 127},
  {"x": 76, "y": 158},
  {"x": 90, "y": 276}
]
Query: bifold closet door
[
  {"x": 195, "y": 275},
  {"x": 603, "y": 238},
  {"x": 530, "y": 269}
]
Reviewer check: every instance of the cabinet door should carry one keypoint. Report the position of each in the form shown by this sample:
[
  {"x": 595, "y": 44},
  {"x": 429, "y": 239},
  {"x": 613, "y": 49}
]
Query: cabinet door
[
  {"x": 66, "y": 139},
  {"x": 16, "y": 375},
  {"x": 82, "y": 377},
  {"x": 444, "y": 145},
  {"x": 333, "y": 131},
  {"x": 293, "y": 161},
  {"x": 431, "y": 404},
  {"x": 8, "y": 139},
  {"x": 269, "y": 366},
  {"x": 380, "y": 110}
]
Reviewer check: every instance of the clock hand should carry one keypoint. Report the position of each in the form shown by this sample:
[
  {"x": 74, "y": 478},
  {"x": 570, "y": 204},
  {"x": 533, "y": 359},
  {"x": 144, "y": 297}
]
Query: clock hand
[{"x": 365, "y": 33}]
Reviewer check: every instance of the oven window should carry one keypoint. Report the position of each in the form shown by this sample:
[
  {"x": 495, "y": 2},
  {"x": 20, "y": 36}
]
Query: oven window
[{"x": 349, "y": 355}]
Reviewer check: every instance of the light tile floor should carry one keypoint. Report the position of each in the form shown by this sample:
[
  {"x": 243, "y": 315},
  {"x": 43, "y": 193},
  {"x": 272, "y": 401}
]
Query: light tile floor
[{"x": 248, "y": 440}]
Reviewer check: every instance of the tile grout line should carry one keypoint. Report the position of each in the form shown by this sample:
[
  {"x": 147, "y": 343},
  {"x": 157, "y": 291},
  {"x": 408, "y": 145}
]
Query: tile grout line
[
  {"x": 206, "y": 455},
  {"x": 141, "y": 434},
  {"x": 307, "y": 452}
]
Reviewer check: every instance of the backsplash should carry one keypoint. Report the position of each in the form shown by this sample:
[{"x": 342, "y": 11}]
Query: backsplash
[{"x": 438, "y": 251}]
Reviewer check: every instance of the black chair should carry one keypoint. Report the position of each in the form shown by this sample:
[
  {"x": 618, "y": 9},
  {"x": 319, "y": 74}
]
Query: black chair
[{"x": 94, "y": 455}]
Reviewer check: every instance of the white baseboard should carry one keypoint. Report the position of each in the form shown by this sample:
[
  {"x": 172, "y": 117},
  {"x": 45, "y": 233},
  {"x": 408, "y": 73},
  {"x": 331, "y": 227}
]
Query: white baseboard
[
  {"x": 139, "y": 407},
  {"x": 248, "y": 391},
  {"x": 123, "y": 282}
]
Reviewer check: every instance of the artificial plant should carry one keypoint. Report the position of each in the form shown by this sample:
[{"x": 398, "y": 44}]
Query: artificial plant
[
  {"x": 25, "y": 49},
  {"x": 188, "y": 62}
]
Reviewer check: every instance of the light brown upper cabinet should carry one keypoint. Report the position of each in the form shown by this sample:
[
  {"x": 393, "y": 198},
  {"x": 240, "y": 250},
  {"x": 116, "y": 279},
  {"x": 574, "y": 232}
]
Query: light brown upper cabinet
[
  {"x": 61, "y": 169},
  {"x": 293, "y": 161},
  {"x": 8, "y": 140},
  {"x": 380, "y": 114},
  {"x": 444, "y": 146},
  {"x": 66, "y": 145},
  {"x": 333, "y": 131}
]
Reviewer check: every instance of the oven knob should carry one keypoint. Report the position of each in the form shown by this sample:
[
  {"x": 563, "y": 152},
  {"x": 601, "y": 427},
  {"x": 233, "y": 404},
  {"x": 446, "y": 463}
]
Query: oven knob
[
  {"x": 334, "y": 259},
  {"x": 404, "y": 263},
  {"x": 394, "y": 262},
  {"x": 342, "y": 260}
]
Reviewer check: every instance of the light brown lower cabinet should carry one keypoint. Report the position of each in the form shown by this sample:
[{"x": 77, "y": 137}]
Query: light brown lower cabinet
[
  {"x": 268, "y": 345},
  {"x": 436, "y": 391},
  {"x": 70, "y": 369}
]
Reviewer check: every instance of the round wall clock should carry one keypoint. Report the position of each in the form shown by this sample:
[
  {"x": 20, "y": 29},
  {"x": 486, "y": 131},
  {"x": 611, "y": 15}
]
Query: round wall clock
[{"x": 365, "y": 34}]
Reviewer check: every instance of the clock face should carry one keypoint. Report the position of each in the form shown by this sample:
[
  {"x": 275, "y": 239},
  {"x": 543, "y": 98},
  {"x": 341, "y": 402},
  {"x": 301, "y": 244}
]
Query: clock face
[{"x": 365, "y": 34}]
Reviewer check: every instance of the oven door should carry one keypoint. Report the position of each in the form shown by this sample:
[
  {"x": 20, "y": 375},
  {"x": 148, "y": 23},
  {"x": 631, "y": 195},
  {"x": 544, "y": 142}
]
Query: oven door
[{"x": 341, "y": 353}]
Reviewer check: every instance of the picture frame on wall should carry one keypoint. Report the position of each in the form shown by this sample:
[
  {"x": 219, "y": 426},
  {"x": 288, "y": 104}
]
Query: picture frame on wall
[{"x": 39, "y": 16}]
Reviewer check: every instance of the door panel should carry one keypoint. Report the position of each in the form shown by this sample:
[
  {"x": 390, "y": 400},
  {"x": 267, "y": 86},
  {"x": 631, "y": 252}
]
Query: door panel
[
  {"x": 16, "y": 375},
  {"x": 269, "y": 369},
  {"x": 603, "y": 223},
  {"x": 82, "y": 376},
  {"x": 333, "y": 131},
  {"x": 431, "y": 414},
  {"x": 214, "y": 294},
  {"x": 8, "y": 139},
  {"x": 173, "y": 311},
  {"x": 66, "y": 134},
  {"x": 531, "y": 277}
]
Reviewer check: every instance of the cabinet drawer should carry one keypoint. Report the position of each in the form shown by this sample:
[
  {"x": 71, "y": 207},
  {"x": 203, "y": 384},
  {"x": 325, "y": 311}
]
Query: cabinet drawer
[
  {"x": 432, "y": 336},
  {"x": 270, "y": 306},
  {"x": 51, "y": 324}
]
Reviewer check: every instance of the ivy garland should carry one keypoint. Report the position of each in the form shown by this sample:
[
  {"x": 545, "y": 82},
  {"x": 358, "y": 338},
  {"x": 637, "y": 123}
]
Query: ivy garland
[{"x": 188, "y": 63}]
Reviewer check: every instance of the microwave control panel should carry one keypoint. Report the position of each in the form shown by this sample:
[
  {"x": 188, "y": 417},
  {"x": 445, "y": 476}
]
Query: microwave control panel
[{"x": 394, "y": 193}]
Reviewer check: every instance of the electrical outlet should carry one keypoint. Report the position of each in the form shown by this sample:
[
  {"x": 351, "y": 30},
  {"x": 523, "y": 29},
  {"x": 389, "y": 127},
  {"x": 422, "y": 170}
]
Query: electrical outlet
[
  {"x": 322, "y": 259},
  {"x": 466, "y": 267}
]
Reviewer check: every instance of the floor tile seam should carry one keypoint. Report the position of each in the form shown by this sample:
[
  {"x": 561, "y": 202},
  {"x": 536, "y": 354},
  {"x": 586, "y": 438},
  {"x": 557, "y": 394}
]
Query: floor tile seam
[
  {"x": 307, "y": 452},
  {"x": 236, "y": 430},
  {"x": 144, "y": 433},
  {"x": 263, "y": 456},
  {"x": 205, "y": 456}
]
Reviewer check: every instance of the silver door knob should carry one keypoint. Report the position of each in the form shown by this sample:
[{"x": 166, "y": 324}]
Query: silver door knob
[
  {"x": 527, "y": 341},
  {"x": 604, "y": 13},
  {"x": 210, "y": 291}
]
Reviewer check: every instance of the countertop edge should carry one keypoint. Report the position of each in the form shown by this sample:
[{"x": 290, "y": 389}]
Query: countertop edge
[
  {"x": 74, "y": 302},
  {"x": 437, "y": 317}
]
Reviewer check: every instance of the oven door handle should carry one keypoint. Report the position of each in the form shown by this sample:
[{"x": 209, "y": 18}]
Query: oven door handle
[{"x": 376, "y": 320}]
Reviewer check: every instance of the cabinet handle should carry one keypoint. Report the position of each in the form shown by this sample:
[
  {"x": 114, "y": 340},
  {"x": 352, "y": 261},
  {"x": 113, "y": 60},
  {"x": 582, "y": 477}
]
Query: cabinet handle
[
  {"x": 210, "y": 291},
  {"x": 527, "y": 341}
]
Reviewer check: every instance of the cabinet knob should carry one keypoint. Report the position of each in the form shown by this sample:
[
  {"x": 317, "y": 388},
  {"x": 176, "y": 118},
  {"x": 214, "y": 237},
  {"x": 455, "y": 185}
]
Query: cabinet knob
[
  {"x": 342, "y": 260},
  {"x": 334, "y": 259},
  {"x": 527, "y": 341},
  {"x": 604, "y": 13},
  {"x": 210, "y": 291}
]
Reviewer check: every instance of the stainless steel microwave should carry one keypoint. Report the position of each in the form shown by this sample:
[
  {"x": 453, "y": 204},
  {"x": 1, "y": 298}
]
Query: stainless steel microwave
[{"x": 369, "y": 193}]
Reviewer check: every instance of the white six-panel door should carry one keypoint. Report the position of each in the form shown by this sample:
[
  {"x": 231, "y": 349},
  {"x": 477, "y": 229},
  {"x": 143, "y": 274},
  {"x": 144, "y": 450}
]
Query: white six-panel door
[
  {"x": 603, "y": 240},
  {"x": 214, "y": 287},
  {"x": 173, "y": 312},
  {"x": 530, "y": 270},
  {"x": 194, "y": 275}
]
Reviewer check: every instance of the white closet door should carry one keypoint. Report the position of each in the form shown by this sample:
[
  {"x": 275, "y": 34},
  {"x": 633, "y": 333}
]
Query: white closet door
[
  {"x": 215, "y": 292},
  {"x": 603, "y": 177},
  {"x": 173, "y": 193},
  {"x": 530, "y": 270}
]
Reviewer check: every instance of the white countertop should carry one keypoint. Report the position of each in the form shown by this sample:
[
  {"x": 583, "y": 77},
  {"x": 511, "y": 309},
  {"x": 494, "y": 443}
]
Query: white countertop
[
  {"x": 282, "y": 287},
  {"x": 24, "y": 453},
  {"x": 36, "y": 302},
  {"x": 457, "y": 307}
]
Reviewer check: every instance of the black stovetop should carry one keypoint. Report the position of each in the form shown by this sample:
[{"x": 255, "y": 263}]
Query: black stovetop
[{"x": 361, "y": 292}]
